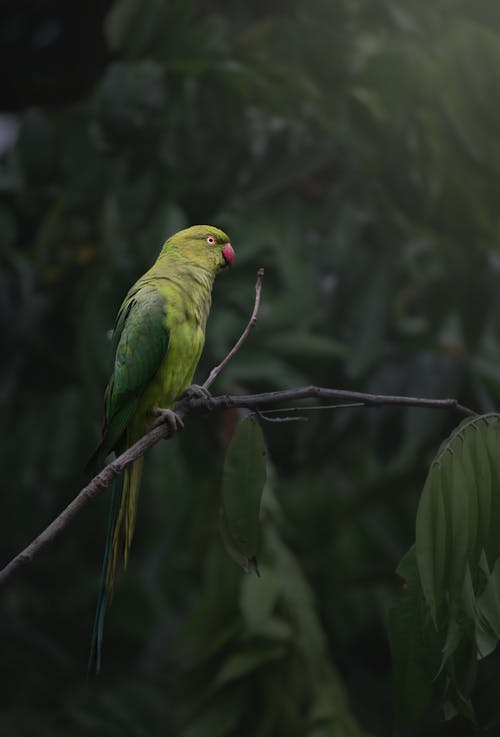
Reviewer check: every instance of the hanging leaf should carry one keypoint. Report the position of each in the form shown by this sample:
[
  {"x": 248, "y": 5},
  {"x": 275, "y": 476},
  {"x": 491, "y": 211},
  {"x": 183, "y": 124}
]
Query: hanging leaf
[
  {"x": 455, "y": 517},
  {"x": 493, "y": 446},
  {"x": 456, "y": 582},
  {"x": 431, "y": 532},
  {"x": 412, "y": 652},
  {"x": 456, "y": 502},
  {"x": 244, "y": 477},
  {"x": 489, "y": 604}
]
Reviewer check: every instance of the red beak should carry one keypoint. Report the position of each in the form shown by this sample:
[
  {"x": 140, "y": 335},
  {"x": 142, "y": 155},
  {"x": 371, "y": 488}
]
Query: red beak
[{"x": 228, "y": 253}]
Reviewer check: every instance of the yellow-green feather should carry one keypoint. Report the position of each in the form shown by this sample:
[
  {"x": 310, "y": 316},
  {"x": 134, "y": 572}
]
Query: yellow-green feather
[{"x": 125, "y": 523}]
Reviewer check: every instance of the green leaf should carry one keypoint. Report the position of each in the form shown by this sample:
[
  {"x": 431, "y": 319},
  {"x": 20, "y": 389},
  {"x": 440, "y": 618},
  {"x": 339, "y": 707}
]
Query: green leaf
[
  {"x": 220, "y": 719},
  {"x": 412, "y": 652},
  {"x": 242, "y": 663},
  {"x": 453, "y": 517},
  {"x": 431, "y": 536},
  {"x": 493, "y": 448},
  {"x": 456, "y": 503},
  {"x": 456, "y": 539},
  {"x": 452, "y": 641},
  {"x": 478, "y": 455},
  {"x": 489, "y": 601},
  {"x": 258, "y": 597},
  {"x": 243, "y": 482},
  {"x": 471, "y": 484}
]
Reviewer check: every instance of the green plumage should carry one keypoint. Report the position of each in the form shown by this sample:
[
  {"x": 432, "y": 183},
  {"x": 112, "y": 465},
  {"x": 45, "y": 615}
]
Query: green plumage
[{"x": 158, "y": 338}]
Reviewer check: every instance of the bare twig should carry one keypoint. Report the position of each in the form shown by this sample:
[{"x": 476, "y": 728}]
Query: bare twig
[
  {"x": 287, "y": 418},
  {"x": 315, "y": 407},
  {"x": 90, "y": 492},
  {"x": 253, "y": 401},
  {"x": 214, "y": 373},
  {"x": 265, "y": 418},
  {"x": 195, "y": 405}
]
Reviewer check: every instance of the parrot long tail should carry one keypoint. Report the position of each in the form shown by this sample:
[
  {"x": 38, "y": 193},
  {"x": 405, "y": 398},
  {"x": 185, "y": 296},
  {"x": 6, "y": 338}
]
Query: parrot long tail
[
  {"x": 121, "y": 523},
  {"x": 123, "y": 530},
  {"x": 94, "y": 664}
]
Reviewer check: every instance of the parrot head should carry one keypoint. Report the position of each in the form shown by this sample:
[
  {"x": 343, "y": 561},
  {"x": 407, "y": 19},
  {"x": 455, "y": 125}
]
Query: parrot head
[{"x": 202, "y": 244}]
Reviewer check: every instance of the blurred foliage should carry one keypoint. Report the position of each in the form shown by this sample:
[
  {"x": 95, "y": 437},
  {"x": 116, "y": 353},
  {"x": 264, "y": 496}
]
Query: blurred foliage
[{"x": 352, "y": 150}]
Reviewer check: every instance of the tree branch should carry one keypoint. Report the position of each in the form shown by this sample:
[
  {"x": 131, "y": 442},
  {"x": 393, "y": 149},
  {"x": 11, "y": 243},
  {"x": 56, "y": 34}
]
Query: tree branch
[
  {"x": 214, "y": 373},
  {"x": 194, "y": 405},
  {"x": 256, "y": 401}
]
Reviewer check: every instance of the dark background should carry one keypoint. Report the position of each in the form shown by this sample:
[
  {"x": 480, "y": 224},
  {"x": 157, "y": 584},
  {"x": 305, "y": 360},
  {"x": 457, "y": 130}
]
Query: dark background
[{"x": 350, "y": 148}]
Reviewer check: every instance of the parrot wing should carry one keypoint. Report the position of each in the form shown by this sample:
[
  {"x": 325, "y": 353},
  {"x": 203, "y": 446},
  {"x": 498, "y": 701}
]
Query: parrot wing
[{"x": 141, "y": 339}]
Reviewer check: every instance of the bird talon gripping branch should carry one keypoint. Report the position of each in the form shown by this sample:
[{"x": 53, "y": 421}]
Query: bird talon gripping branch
[
  {"x": 170, "y": 418},
  {"x": 196, "y": 391}
]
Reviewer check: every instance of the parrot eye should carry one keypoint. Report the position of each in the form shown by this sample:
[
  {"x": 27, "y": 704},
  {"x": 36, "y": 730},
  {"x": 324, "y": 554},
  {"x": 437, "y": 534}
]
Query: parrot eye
[{"x": 210, "y": 240}]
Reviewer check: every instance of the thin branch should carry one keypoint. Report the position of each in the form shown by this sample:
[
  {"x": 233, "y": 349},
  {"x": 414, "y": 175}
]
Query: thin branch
[
  {"x": 214, "y": 373},
  {"x": 192, "y": 406},
  {"x": 252, "y": 401},
  {"x": 315, "y": 407},
  {"x": 265, "y": 418},
  {"x": 90, "y": 492},
  {"x": 282, "y": 419}
]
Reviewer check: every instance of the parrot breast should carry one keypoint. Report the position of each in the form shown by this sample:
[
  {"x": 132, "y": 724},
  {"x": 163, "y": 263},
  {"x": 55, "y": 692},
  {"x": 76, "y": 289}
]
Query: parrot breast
[{"x": 186, "y": 312}]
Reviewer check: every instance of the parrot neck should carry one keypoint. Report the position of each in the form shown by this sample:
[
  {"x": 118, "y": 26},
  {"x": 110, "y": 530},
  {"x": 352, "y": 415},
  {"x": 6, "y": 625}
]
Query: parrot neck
[
  {"x": 192, "y": 282},
  {"x": 194, "y": 276}
]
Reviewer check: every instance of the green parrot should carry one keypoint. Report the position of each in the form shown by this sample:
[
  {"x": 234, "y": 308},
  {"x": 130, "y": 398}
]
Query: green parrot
[{"x": 158, "y": 338}]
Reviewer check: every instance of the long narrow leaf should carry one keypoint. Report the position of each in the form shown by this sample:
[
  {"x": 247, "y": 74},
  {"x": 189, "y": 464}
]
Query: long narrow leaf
[{"x": 242, "y": 486}]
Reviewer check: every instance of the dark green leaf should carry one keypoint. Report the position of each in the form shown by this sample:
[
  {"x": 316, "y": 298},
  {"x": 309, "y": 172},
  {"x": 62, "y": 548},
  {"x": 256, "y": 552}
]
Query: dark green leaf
[
  {"x": 242, "y": 663},
  {"x": 412, "y": 651},
  {"x": 243, "y": 482},
  {"x": 259, "y": 596},
  {"x": 489, "y": 601},
  {"x": 431, "y": 534}
]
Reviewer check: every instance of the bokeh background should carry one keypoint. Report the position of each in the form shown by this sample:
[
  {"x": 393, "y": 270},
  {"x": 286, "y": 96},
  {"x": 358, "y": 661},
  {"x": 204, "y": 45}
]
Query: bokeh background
[{"x": 352, "y": 149}]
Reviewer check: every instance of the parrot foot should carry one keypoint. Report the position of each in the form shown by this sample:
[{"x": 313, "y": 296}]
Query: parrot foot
[
  {"x": 198, "y": 391},
  {"x": 195, "y": 391},
  {"x": 172, "y": 419}
]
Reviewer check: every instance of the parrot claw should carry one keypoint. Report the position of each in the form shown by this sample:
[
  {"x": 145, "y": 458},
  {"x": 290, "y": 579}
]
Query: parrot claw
[
  {"x": 198, "y": 391},
  {"x": 174, "y": 422},
  {"x": 195, "y": 391}
]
